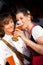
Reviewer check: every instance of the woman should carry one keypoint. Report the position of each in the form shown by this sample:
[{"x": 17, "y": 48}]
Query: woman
[
  {"x": 36, "y": 31},
  {"x": 7, "y": 26}
]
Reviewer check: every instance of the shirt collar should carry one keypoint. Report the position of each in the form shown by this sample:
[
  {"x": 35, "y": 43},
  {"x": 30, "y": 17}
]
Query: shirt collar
[{"x": 6, "y": 37}]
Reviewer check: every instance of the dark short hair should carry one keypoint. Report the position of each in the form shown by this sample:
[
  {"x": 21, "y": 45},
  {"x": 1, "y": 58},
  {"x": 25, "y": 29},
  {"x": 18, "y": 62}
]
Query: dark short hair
[{"x": 4, "y": 20}]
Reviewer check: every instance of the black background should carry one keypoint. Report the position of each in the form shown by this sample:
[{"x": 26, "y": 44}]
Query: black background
[{"x": 35, "y": 6}]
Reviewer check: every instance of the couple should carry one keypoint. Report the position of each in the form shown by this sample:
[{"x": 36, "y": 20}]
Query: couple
[{"x": 24, "y": 18}]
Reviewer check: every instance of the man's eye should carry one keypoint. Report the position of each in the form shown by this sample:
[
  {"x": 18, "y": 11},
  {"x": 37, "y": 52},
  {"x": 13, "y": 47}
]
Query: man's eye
[
  {"x": 21, "y": 18},
  {"x": 11, "y": 21}
]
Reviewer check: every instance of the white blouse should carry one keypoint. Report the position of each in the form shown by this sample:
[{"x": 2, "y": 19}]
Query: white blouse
[{"x": 37, "y": 31}]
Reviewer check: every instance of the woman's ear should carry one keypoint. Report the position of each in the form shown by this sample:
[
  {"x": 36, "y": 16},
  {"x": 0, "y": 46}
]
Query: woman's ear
[{"x": 31, "y": 18}]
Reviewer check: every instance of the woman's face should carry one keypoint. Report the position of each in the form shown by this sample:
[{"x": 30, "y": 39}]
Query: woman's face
[
  {"x": 21, "y": 19},
  {"x": 9, "y": 28}
]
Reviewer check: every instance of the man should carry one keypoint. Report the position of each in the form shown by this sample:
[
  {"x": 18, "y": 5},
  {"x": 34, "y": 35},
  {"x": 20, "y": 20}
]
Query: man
[{"x": 7, "y": 54}]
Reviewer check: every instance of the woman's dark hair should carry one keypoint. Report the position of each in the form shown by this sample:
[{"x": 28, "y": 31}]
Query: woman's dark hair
[{"x": 24, "y": 11}]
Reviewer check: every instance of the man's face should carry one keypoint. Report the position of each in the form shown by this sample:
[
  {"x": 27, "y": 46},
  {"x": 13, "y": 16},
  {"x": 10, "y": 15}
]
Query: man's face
[{"x": 9, "y": 28}]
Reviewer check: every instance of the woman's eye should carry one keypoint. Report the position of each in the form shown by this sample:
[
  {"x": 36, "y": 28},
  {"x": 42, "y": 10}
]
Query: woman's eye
[{"x": 17, "y": 24}]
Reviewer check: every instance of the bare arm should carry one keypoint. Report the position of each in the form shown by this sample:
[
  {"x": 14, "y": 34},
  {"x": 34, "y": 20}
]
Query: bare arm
[
  {"x": 40, "y": 40},
  {"x": 36, "y": 47}
]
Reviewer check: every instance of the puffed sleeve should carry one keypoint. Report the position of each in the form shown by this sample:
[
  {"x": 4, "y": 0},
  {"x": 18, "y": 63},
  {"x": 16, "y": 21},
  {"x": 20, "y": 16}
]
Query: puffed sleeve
[{"x": 37, "y": 31}]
